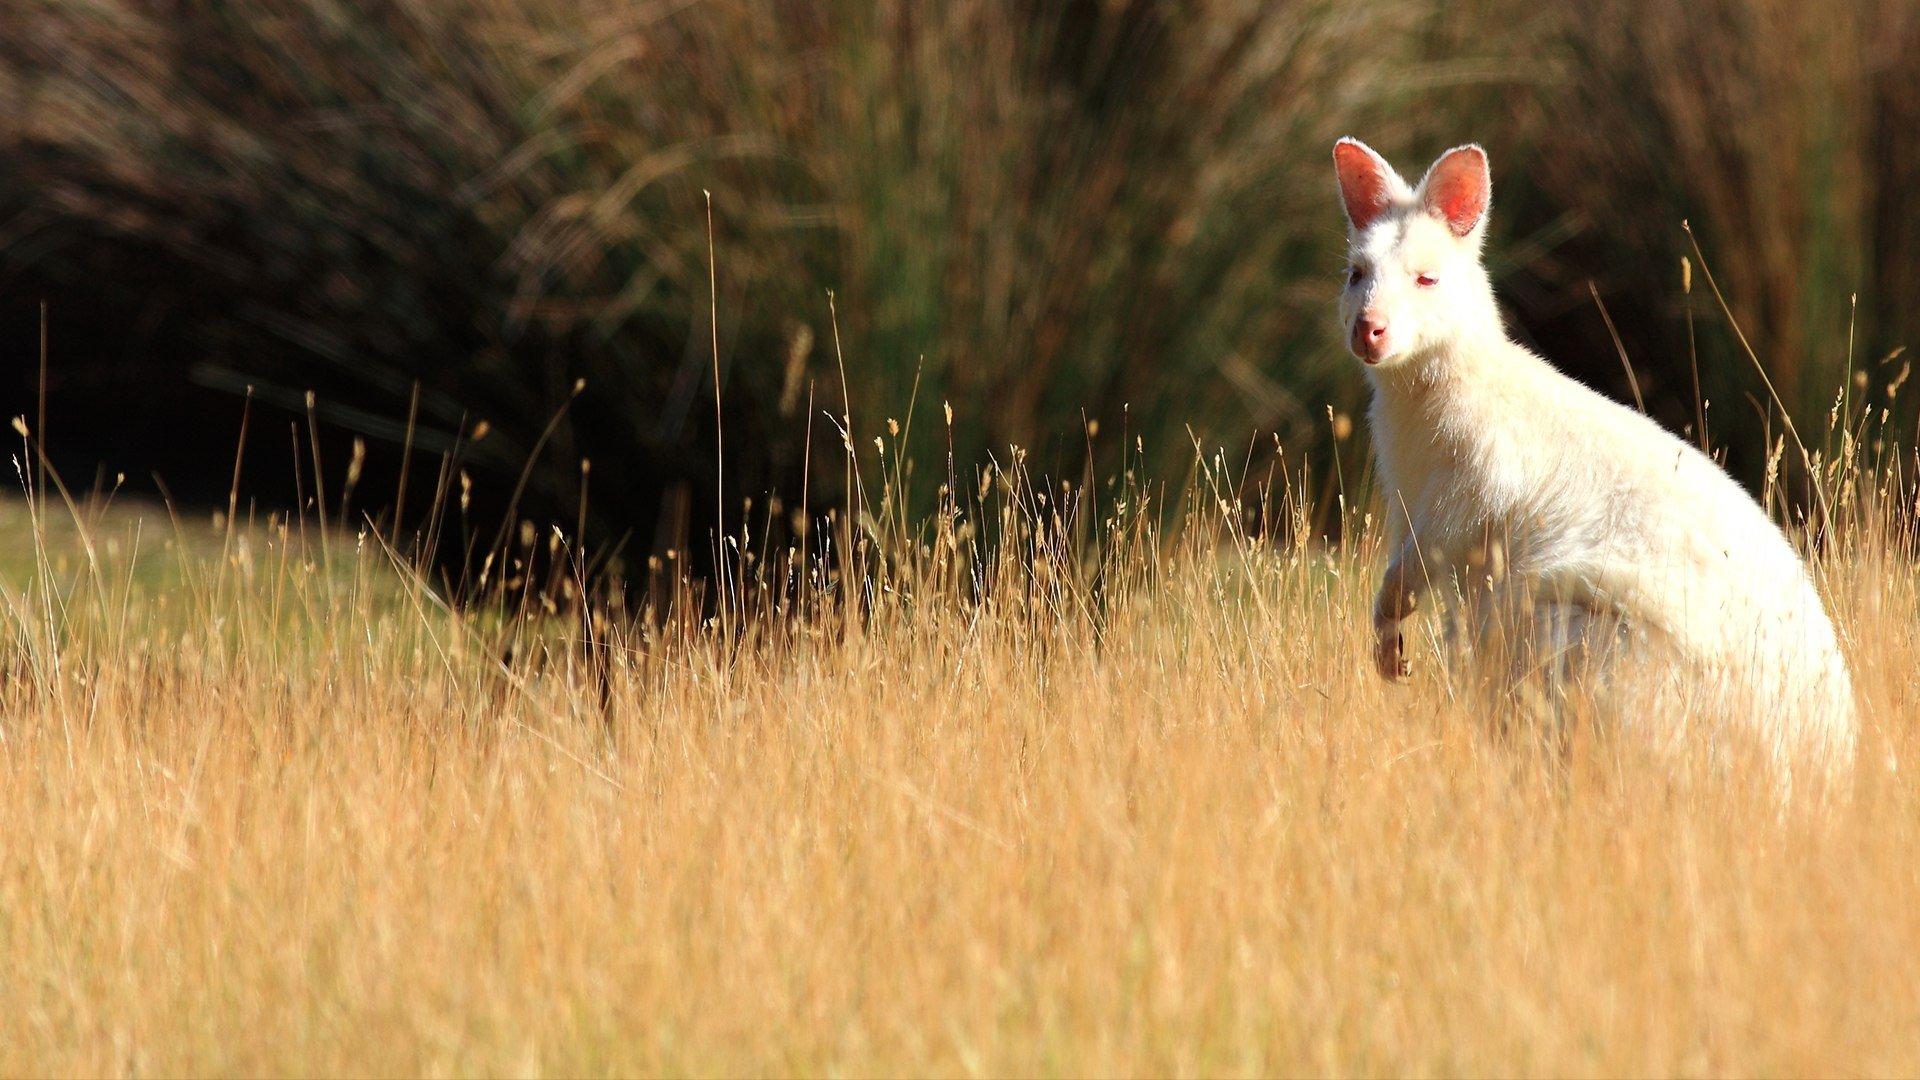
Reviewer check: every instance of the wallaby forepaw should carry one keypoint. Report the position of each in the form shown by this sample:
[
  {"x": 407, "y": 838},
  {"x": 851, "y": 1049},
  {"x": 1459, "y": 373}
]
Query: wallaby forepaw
[{"x": 1389, "y": 656}]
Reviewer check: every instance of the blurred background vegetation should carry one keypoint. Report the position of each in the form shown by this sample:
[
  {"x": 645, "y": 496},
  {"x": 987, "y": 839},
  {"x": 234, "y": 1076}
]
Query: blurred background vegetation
[{"x": 1045, "y": 212}]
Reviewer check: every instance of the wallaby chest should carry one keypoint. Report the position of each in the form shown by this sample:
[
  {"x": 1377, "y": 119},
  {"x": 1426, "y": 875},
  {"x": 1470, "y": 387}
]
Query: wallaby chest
[{"x": 1449, "y": 468}]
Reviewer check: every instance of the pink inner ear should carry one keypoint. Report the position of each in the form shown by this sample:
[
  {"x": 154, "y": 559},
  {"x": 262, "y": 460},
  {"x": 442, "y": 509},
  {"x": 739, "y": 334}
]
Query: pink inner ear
[
  {"x": 1458, "y": 189},
  {"x": 1363, "y": 186}
]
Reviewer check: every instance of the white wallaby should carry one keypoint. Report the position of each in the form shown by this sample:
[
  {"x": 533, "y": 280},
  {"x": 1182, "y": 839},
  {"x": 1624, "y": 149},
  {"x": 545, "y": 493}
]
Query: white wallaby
[{"x": 1572, "y": 528}]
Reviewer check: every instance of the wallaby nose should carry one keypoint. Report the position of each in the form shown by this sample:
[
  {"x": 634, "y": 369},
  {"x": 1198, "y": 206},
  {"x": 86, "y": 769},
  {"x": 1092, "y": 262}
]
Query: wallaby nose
[{"x": 1369, "y": 336}]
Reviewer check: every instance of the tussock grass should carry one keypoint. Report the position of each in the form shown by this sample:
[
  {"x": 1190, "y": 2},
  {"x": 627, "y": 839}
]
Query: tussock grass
[
  {"x": 1058, "y": 781},
  {"x": 1112, "y": 210}
]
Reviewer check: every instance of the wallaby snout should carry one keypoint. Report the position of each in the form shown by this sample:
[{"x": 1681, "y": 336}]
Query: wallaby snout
[{"x": 1369, "y": 340}]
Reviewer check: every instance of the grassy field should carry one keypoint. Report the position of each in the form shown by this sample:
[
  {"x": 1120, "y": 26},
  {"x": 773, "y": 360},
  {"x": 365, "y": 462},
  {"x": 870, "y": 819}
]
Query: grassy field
[
  {"x": 984, "y": 778},
  {"x": 1118, "y": 794}
]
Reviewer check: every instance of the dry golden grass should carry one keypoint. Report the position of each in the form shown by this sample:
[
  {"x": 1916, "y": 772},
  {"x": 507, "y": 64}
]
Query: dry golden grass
[{"x": 279, "y": 811}]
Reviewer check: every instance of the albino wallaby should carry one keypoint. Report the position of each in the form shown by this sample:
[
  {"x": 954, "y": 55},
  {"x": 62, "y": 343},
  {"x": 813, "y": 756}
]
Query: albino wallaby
[{"x": 1570, "y": 526}]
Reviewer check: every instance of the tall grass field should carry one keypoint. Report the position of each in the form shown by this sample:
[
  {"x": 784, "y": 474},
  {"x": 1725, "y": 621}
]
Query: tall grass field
[{"x": 1059, "y": 780}]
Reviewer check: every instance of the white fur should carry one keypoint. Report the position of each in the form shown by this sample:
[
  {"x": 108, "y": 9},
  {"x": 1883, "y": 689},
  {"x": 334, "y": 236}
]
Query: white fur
[{"x": 1511, "y": 483}]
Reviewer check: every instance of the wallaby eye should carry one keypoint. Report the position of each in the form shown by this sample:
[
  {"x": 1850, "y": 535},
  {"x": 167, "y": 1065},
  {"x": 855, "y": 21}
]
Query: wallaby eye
[{"x": 1425, "y": 280}]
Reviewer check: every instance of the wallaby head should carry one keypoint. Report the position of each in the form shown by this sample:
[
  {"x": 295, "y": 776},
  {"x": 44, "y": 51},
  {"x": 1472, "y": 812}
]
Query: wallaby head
[{"x": 1414, "y": 283}]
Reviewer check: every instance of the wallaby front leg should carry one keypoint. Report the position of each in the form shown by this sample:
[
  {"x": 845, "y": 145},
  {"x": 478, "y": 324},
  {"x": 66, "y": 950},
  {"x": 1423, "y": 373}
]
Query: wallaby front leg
[{"x": 1399, "y": 595}]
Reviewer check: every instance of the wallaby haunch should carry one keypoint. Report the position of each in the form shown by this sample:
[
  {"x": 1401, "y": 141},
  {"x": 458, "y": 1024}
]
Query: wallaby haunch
[{"x": 1576, "y": 541}]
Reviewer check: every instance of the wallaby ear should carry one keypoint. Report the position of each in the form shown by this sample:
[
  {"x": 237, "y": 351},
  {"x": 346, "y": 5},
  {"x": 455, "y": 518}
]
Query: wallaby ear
[
  {"x": 1459, "y": 188},
  {"x": 1368, "y": 185}
]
